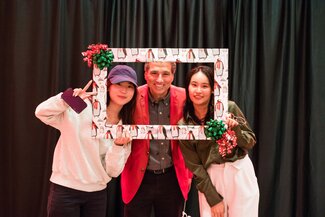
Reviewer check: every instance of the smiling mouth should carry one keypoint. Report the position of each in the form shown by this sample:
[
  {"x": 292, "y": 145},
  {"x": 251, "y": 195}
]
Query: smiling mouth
[
  {"x": 123, "y": 97},
  {"x": 159, "y": 86}
]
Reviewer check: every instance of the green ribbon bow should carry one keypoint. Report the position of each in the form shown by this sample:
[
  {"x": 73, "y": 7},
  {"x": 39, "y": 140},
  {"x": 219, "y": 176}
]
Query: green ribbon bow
[
  {"x": 215, "y": 129},
  {"x": 103, "y": 59}
]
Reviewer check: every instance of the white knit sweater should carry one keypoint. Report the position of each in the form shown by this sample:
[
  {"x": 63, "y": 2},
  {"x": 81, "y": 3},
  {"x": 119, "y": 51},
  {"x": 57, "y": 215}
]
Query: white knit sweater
[{"x": 80, "y": 161}]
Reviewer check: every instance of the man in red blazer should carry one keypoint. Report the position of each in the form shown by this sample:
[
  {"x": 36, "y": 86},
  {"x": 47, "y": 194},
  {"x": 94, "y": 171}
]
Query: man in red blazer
[{"x": 155, "y": 176}]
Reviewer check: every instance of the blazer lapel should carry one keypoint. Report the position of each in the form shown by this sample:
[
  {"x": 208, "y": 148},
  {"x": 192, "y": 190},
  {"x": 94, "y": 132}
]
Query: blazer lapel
[{"x": 173, "y": 107}]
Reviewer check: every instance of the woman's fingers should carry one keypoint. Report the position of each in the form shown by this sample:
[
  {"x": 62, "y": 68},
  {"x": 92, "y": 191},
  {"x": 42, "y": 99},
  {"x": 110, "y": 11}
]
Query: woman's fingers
[
  {"x": 124, "y": 139},
  {"x": 87, "y": 85},
  {"x": 82, "y": 92},
  {"x": 76, "y": 91}
]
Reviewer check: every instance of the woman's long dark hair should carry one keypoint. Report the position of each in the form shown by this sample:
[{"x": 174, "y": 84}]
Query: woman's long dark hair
[
  {"x": 127, "y": 111},
  {"x": 188, "y": 111}
]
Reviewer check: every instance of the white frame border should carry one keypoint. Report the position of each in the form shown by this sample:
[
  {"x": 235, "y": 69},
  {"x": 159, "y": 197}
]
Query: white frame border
[{"x": 219, "y": 57}]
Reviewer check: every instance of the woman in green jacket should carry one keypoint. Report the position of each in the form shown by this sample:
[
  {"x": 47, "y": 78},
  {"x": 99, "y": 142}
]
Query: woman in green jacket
[{"x": 226, "y": 181}]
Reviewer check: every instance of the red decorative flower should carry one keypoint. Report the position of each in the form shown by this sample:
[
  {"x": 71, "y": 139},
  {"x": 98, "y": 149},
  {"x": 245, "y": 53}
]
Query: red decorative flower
[
  {"x": 98, "y": 54},
  {"x": 226, "y": 139},
  {"x": 227, "y": 143}
]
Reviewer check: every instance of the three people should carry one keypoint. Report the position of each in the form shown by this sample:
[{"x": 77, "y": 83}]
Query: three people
[
  {"x": 82, "y": 165},
  {"x": 227, "y": 186},
  {"x": 155, "y": 176}
]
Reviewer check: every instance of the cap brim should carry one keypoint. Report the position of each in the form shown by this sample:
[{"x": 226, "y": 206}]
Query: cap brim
[{"x": 123, "y": 79}]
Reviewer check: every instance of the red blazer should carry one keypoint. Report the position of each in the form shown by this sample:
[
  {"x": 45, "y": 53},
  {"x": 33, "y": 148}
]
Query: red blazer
[{"x": 136, "y": 164}]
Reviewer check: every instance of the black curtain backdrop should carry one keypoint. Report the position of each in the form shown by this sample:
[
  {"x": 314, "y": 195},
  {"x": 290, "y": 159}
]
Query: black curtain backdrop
[{"x": 276, "y": 63}]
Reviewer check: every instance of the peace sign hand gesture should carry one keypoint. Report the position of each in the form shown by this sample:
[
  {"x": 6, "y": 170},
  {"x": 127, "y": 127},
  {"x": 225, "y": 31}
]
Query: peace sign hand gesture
[{"x": 82, "y": 92}]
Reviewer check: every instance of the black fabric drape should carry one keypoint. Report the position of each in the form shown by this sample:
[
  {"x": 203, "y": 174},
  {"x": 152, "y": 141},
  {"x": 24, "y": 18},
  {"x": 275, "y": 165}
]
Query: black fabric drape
[
  {"x": 276, "y": 64},
  {"x": 41, "y": 43}
]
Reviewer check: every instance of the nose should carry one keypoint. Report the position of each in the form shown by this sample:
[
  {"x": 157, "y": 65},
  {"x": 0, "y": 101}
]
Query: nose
[
  {"x": 124, "y": 89},
  {"x": 159, "y": 78}
]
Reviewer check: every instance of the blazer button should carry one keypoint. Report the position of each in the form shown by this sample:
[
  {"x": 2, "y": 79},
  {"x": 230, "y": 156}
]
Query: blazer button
[{"x": 142, "y": 169}]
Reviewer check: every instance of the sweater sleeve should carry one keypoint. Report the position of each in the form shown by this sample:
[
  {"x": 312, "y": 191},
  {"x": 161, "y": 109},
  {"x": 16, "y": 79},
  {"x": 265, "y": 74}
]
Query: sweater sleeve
[
  {"x": 115, "y": 158},
  {"x": 51, "y": 111},
  {"x": 245, "y": 136},
  {"x": 201, "y": 177}
]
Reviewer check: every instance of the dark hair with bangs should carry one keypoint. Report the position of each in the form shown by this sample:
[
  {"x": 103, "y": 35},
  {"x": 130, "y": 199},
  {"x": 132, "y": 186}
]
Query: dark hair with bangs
[
  {"x": 127, "y": 111},
  {"x": 188, "y": 111}
]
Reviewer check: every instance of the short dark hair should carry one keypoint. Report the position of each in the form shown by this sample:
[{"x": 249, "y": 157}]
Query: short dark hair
[{"x": 173, "y": 64}]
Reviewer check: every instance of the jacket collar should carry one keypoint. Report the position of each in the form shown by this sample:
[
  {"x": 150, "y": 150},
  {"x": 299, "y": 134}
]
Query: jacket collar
[{"x": 174, "y": 103}]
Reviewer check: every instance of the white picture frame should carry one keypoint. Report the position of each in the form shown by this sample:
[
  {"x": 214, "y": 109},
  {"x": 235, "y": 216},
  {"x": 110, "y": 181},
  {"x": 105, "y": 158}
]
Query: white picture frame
[{"x": 217, "y": 56}]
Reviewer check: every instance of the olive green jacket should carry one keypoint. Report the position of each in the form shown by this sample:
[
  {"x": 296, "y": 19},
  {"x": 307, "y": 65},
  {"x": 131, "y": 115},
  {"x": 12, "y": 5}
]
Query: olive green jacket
[{"x": 200, "y": 154}]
